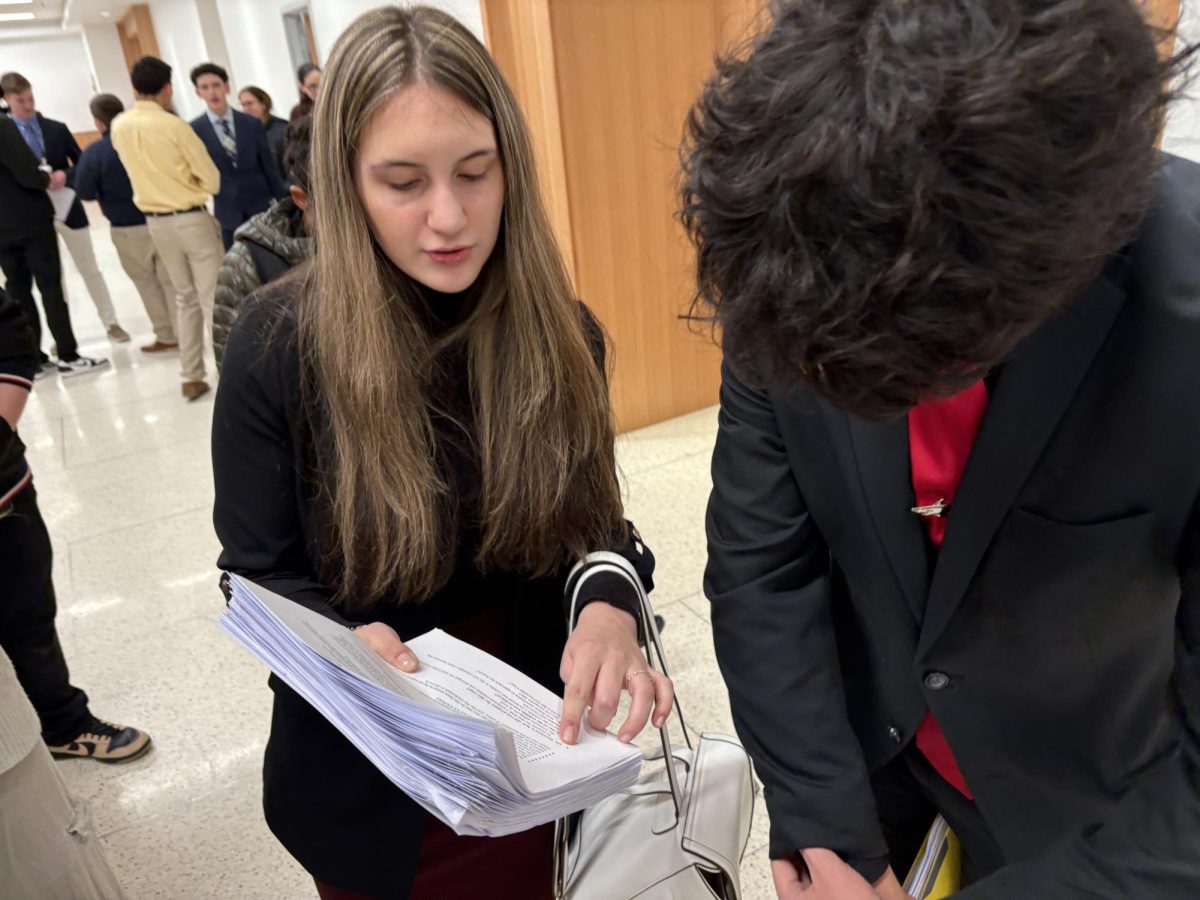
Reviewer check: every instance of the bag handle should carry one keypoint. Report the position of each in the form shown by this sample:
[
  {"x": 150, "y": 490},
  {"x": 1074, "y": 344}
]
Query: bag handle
[{"x": 654, "y": 647}]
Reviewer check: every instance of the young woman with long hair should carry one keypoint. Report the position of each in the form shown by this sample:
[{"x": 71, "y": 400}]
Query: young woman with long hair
[{"x": 415, "y": 431}]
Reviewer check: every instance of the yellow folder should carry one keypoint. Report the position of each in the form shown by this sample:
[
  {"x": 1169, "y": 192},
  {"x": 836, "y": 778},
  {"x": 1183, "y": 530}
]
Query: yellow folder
[{"x": 937, "y": 870}]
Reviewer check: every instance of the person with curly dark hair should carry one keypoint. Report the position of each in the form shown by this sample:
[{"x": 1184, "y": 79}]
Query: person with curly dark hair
[{"x": 954, "y": 533}]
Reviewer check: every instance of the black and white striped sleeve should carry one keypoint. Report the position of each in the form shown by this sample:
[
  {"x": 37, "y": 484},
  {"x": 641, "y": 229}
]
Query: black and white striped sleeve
[{"x": 617, "y": 577}]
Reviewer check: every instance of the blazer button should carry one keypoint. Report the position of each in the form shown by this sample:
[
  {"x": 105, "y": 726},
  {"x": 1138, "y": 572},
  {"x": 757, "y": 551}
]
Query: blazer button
[
  {"x": 896, "y": 735},
  {"x": 937, "y": 681}
]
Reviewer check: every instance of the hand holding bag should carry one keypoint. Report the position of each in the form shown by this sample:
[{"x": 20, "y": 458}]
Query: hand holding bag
[{"x": 680, "y": 832}]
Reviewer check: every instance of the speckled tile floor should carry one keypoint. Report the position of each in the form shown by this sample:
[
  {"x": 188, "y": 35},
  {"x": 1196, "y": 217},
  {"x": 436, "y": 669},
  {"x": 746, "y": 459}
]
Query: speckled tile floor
[{"x": 122, "y": 470}]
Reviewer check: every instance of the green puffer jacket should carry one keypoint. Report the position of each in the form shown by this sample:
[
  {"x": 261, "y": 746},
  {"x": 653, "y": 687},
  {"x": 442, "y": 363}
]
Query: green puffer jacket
[{"x": 263, "y": 249}]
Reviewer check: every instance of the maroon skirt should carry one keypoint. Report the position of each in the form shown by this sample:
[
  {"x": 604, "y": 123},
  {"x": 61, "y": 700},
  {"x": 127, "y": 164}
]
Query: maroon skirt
[{"x": 515, "y": 867}]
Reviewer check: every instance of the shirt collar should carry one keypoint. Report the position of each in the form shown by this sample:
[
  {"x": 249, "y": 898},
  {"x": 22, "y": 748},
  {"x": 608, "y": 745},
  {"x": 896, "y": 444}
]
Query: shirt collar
[{"x": 214, "y": 118}]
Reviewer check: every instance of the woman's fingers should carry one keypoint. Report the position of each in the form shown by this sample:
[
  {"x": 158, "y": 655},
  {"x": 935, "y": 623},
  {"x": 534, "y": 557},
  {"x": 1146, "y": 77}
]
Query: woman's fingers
[
  {"x": 606, "y": 696},
  {"x": 576, "y": 696},
  {"x": 640, "y": 683},
  {"x": 664, "y": 698},
  {"x": 383, "y": 640}
]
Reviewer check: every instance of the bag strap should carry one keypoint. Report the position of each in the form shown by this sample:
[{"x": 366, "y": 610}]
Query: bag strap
[{"x": 604, "y": 559}]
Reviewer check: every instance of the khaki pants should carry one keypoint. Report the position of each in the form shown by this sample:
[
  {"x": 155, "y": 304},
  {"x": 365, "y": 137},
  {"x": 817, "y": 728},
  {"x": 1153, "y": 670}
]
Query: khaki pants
[
  {"x": 191, "y": 249},
  {"x": 51, "y": 850},
  {"x": 79, "y": 245},
  {"x": 149, "y": 275}
]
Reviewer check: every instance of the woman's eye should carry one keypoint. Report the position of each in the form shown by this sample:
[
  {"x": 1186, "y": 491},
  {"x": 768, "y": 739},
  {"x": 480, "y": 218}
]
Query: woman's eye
[
  {"x": 405, "y": 187},
  {"x": 472, "y": 176}
]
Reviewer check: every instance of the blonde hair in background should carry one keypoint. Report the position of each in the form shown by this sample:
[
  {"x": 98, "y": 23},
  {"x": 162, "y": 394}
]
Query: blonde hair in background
[{"x": 543, "y": 425}]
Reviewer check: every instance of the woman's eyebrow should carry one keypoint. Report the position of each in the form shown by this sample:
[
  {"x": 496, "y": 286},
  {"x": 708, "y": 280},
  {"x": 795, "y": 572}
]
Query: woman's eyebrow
[{"x": 404, "y": 163}]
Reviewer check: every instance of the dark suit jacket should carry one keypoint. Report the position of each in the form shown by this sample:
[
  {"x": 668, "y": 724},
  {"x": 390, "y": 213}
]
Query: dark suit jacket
[
  {"x": 254, "y": 183},
  {"x": 62, "y": 153},
  {"x": 1064, "y": 605},
  {"x": 24, "y": 204}
]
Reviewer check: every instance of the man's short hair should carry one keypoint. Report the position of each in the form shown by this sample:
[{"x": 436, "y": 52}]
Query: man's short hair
[
  {"x": 105, "y": 108},
  {"x": 208, "y": 69},
  {"x": 150, "y": 75},
  {"x": 887, "y": 196},
  {"x": 13, "y": 83},
  {"x": 297, "y": 148}
]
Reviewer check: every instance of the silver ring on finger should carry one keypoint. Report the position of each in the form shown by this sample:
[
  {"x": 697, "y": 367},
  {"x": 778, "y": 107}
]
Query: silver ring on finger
[{"x": 632, "y": 675}]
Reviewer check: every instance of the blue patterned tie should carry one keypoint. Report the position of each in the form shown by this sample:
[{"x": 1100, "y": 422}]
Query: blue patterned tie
[
  {"x": 226, "y": 138},
  {"x": 33, "y": 137}
]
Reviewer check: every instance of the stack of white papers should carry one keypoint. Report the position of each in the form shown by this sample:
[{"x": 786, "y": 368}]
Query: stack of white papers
[{"x": 468, "y": 737}]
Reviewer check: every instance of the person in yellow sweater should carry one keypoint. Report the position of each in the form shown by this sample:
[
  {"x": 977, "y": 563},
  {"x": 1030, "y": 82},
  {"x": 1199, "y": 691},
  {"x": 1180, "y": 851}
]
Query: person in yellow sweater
[{"x": 173, "y": 178}]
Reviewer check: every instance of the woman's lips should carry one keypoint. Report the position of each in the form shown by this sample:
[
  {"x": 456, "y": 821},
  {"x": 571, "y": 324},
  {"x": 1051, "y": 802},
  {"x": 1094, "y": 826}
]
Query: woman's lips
[{"x": 450, "y": 257}]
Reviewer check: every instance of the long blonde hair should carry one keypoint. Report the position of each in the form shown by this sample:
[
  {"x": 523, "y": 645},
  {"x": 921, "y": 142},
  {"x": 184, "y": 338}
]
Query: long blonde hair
[{"x": 543, "y": 427}]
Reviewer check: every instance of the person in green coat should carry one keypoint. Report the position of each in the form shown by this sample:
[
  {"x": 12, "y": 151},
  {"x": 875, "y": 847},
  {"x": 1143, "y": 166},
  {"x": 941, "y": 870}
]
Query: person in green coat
[{"x": 269, "y": 244}]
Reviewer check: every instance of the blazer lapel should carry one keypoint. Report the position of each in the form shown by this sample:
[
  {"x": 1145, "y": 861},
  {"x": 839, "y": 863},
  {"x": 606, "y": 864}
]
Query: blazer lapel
[
  {"x": 881, "y": 454},
  {"x": 1035, "y": 387}
]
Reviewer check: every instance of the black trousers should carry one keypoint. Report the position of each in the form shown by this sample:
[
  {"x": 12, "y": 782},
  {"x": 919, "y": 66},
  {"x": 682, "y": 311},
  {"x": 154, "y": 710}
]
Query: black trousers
[
  {"x": 27, "y": 610},
  {"x": 909, "y": 794},
  {"x": 35, "y": 257}
]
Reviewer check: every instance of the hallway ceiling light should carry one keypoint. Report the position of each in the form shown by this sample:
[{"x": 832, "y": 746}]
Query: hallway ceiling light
[{"x": 16, "y": 17}]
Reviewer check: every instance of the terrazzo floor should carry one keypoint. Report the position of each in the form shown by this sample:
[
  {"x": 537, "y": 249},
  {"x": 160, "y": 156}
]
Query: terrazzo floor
[{"x": 122, "y": 469}]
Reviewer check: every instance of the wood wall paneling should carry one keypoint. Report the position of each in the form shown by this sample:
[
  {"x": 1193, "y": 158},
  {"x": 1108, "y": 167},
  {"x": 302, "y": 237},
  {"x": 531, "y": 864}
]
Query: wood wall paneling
[
  {"x": 85, "y": 138},
  {"x": 519, "y": 38},
  {"x": 136, "y": 31},
  {"x": 627, "y": 73},
  {"x": 606, "y": 87}
]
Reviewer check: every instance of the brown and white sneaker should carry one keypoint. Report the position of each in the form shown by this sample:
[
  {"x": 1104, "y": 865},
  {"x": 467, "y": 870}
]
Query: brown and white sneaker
[{"x": 104, "y": 742}]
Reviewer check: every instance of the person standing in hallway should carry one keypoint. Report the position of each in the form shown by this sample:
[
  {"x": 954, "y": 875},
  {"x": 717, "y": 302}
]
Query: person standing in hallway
[
  {"x": 27, "y": 601},
  {"x": 416, "y": 430},
  {"x": 954, "y": 528},
  {"x": 100, "y": 176},
  {"x": 29, "y": 251},
  {"x": 257, "y": 103},
  {"x": 52, "y": 142},
  {"x": 238, "y": 146},
  {"x": 173, "y": 178},
  {"x": 309, "y": 78},
  {"x": 52, "y": 847},
  {"x": 270, "y": 244}
]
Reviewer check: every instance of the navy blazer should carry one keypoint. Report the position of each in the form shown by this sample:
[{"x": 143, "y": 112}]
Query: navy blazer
[
  {"x": 62, "y": 152},
  {"x": 250, "y": 187}
]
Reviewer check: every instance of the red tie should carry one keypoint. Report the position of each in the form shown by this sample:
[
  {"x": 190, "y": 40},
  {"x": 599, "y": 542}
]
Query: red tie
[{"x": 940, "y": 435}]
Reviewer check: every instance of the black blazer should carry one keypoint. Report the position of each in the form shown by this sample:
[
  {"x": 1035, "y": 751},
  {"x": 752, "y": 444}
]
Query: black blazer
[
  {"x": 24, "y": 204},
  {"x": 62, "y": 153},
  {"x": 250, "y": 187},
  {"x": 1064, "y": 606}
]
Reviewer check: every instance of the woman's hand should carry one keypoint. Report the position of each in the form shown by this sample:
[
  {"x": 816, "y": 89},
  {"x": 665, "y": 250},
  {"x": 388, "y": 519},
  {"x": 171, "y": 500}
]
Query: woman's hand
[
  {"x": 817, "y": 874},
  {"x": 384, "y": 641},
  {"x": 601, "y": 658}
]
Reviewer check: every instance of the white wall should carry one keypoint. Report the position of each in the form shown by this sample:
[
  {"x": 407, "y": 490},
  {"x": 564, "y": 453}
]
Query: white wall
[
  {"x": 258, "y": 51},
  {"x": 61, "y": 75},
  {"x": 181, "y": 43},
  {"x": 110, "y": 74},
  {"x": 1182, "y": 135}
]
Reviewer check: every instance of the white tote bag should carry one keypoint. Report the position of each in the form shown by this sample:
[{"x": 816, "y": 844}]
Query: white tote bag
[{"x": 680, "y": 832}]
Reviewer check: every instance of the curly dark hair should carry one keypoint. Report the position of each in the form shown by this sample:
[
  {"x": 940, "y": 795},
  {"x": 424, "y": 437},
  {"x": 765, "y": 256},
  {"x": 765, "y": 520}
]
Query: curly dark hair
[
  {"x": 297, "y": 151},
  {"x": 887, "y": 195}
]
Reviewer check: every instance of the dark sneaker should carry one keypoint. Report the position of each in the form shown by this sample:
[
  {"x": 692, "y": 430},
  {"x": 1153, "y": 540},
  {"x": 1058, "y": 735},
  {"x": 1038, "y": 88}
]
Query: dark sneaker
[
  {"x": 45, "y": 367},
  {"x": 80, "y": 365},
  {"x": 104, "y": 742}
]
